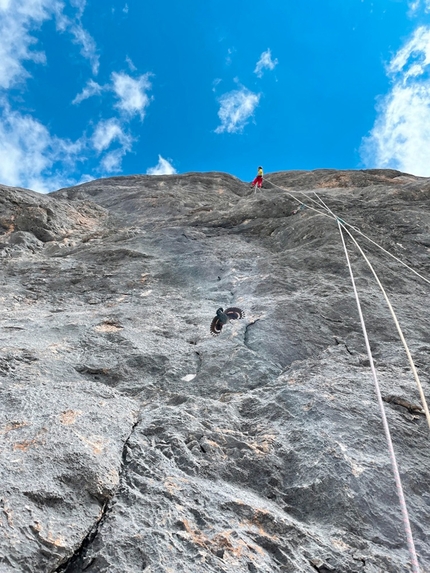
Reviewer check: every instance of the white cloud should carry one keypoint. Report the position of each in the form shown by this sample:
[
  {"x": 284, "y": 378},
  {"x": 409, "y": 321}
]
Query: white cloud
[
  {"x": 414, "y": 57},
  {"x": 215, "y": 83},
  {"x": 229, "y": 58},
  {"x": 415, "y": 5},
  {"x": 236, "y": 108},
  {"x": 130, "y": 64},
  {"x": 125, "y": 9},
  {"x": 19, "y": 18},
  {"x": 108, "y": 131},
  {"x": 112, "y": 160},
  {"x": 265, "y": 62},
  {"x": 105, "y": 134},
  {"x": 88, "y": 45},
  {"x": 80, "y": 5},
  {"x": 31, "y": 157},
  {"x": 76, "y": 29},
  {"x": 131, "y": 93},
  {"x": 163, "y": 167},
  {"x": 400, "y": 137},
  {"x": 92, "y": 88}
]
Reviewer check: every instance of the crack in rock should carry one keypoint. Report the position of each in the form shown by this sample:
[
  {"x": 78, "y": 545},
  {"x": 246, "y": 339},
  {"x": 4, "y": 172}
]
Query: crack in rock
[
  {"x": 75, "y": 562},
  {"x": 246, "y": 334}
]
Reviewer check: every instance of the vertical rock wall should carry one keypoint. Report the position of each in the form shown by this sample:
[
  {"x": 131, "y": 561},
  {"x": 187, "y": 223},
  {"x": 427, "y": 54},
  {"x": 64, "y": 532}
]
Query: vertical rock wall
[{"x": 133, "y": 440}]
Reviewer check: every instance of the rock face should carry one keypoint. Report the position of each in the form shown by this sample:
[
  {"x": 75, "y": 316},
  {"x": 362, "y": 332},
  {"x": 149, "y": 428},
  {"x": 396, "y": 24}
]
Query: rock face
[{"x": 133, "y": 440}]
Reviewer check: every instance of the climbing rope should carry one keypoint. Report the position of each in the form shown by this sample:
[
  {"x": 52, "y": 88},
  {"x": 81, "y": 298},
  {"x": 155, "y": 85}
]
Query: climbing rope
[
  {"x": 371, "y": 240},
  {"x": 351, "y": 227},
  {"x": 406, "y": 522},
  {"x": 402, "y": 501},
  {"x": 301, "y": 202},
  {"x": 393, "y": 314},
  {"x": 325, "y": 206},
  {"x": 399, "y": 330},
  {"x": 388, "y": 252},
  {"x": 342, "y": 226}
]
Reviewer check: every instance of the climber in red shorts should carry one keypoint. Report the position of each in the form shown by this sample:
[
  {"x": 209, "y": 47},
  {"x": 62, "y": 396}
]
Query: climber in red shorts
[{"x": 258, "y": 181}]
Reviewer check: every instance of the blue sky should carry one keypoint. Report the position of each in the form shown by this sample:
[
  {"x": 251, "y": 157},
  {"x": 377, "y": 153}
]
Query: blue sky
[{"x": 94, "y": 88}]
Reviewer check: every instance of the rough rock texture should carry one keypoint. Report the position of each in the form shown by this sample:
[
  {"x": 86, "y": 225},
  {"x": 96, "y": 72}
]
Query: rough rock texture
[{"x": 132, "y": 440}]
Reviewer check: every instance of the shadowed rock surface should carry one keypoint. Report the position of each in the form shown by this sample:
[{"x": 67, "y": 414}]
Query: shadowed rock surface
[{"x": 132, "y": 440}]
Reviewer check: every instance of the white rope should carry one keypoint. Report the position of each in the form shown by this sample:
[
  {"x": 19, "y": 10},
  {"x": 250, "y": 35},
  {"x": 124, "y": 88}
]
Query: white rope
[
  {"x": 387, "y": 252},
  {"x": 402, "y": 501},
  {"x": 298, "y": 200},
  {"x": 372, "y": 241},
  {"x": 352, "y": 227},
  {"x": 406, "y": 522},
  {"x": 399, "y": 330},
  {"x": 325, "y": 206},
  {"x": 393, "y": 314}
]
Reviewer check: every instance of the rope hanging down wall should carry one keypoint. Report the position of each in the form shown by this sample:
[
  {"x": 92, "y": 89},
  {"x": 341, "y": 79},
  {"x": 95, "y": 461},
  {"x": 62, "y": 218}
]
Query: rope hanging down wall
[
  {"x": 402, "y": 501},
  {"x": 342, "y": 227},
  {"x": 393, "y": 314},
  {"x": 331, "y": 216},
  {"x": 329, "y": 213}
]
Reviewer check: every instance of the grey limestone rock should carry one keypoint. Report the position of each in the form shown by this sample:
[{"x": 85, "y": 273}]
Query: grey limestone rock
[{"x": 133, "y": 440}]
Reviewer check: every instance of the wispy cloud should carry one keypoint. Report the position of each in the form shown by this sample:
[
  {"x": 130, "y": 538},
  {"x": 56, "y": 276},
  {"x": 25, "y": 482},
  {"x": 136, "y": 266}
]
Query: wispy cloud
[
  {"x": 163, "y": 167},
  {"x": 415, "y": 5},
  {"x": 106, "y": 132},
  {"x": 31, "y": 157},
  {"x": 215, "y": 83},
  {"x": 91, "y": 89},
  {"x": 229, "y": 58},
  {"x": 130, "y": 64},
  {"x": 133, "y": 100},
  {"x": 80, "y": 6},
  {"x": 112, "y": 161},
  {"x": 265, "y": 63},
  {"x": 413, "y": 59},
  {"x": 87, "y": 43},
  {"x": 131, "y": 92},
  {"x": 75, "y": 27},
  {"x": 17, "y": 19},
  {"x": 236, "y": 108},
  {"x": 400, "y": 137}
]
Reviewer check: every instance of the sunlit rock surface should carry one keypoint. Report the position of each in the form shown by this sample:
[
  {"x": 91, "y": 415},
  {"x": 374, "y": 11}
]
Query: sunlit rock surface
[{"x": 133, "y": 440}]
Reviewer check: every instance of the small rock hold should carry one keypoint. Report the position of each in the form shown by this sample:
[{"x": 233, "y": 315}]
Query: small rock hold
[
  {"x": 363, "y": 360},
  {"x": 321, "y": 566}
]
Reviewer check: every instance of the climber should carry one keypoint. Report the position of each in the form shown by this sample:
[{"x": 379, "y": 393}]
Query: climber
[{"x": 258, "y": 181}]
